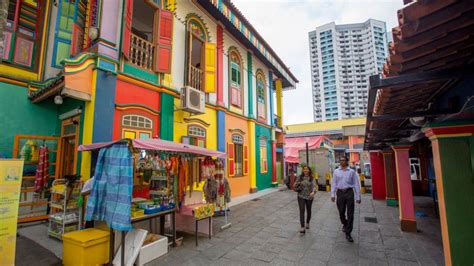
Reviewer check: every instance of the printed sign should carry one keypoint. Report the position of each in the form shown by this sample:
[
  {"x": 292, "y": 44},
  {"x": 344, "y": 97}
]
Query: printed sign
[{"x": 10, "y": 185}]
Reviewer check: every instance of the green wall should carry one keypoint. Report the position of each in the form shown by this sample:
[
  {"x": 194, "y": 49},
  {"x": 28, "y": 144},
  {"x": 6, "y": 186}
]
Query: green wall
[
  {"x": 19, "y": 116},
  {"x": 458, "y": 184},
  {"x": 263, "y": 180}
]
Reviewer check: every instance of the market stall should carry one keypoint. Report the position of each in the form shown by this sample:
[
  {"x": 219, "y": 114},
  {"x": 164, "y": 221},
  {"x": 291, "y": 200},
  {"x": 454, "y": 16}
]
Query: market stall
[{"x": 143, "y": 180}]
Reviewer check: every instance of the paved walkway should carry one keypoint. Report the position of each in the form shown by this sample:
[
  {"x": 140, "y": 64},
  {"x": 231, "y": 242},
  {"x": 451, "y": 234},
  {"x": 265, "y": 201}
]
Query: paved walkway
[{"x": 264, "y": 231}]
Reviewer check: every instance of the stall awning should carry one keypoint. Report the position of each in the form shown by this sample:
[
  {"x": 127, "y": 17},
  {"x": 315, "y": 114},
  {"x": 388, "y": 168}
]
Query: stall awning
[
  {"x": 294, "y": 145},
  {"x": 158, "y": 144}
]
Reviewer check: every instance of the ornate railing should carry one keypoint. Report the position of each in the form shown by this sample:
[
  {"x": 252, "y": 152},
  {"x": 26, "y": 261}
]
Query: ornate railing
[
  {"x": 142, "y": 52},
  {"x": 195, "y": 77}
]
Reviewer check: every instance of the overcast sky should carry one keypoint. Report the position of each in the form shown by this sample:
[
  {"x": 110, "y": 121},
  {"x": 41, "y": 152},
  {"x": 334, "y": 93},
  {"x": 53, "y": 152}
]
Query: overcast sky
[{"x": 285, "y": 26}]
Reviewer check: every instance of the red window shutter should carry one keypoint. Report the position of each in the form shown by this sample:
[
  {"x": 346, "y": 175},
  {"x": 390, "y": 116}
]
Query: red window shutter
[
  {"x": 164, "y": 42},
  {"x": 230, "y": 155},
  {"x": 127, "y": 28},
  {"x": 246, "y": 160}
]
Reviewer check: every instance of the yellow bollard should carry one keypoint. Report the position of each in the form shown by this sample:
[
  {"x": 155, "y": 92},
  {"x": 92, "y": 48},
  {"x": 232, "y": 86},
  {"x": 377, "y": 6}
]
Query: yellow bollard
[
  {"x": 362, "y": 186},
  {"x": 328, "y": 182}
]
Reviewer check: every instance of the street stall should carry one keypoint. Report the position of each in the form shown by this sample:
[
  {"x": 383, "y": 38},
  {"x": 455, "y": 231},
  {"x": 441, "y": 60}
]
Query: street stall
[{"x": 143, "y": 180}]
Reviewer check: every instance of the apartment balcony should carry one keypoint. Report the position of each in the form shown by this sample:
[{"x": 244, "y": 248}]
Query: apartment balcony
[
  {"x": 142, "y": 52},
  {"x": 195, "y": 77}
]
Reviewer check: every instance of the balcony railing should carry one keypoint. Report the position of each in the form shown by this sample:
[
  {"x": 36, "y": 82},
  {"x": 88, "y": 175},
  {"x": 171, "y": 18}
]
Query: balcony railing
[
  {"x": 195, "y": 77},
  {"x": 142, "y": 53}
]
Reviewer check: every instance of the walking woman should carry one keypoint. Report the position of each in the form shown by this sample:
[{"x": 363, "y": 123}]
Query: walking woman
[{"x": 306, "y": 188}]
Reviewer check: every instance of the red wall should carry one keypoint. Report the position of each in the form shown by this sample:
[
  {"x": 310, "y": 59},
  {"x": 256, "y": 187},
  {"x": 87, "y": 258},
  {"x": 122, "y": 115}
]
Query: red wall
[
  {"x": 377, "y": 173},
  {"x": 135, "y": 97}
]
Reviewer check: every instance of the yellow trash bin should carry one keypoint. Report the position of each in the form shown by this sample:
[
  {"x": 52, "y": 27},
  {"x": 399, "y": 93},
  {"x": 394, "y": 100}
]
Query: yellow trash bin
[{"x": 86, "y": 247}]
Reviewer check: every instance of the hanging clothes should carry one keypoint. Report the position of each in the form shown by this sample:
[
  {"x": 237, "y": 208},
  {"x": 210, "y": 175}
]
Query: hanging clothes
[
  {"x": 181, "y": 180},
  {"x": 42, "y": 169},
  {"x": 111, "y": 195}
]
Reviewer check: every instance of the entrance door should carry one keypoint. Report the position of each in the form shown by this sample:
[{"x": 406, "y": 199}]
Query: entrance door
[{"x": 69, "y": 141}]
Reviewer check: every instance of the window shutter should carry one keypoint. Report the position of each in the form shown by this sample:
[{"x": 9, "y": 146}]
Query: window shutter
[
  {"x": 210, "y": 67},
  {"x": 77, "y": 40},
  {"x": 246, "y": 160},
  {"x": 163, "y": 41},
  {"x": 230, "y": 154},
  {"x": 127, "y": 28}
]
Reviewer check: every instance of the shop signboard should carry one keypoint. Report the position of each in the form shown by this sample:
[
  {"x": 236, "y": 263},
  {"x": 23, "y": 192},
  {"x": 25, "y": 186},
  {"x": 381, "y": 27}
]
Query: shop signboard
[{"x": 10, "y": 184}]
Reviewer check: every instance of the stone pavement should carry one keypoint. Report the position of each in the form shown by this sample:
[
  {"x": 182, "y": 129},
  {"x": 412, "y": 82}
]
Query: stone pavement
[{"x": 265, "y": 232}]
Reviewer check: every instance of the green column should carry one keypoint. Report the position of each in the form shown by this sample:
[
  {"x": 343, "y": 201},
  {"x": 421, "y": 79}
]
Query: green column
[
  {"x": 453, "y": 157},
  {"x": 250, "y": 82},
  {"x": 166, "y": 116}
]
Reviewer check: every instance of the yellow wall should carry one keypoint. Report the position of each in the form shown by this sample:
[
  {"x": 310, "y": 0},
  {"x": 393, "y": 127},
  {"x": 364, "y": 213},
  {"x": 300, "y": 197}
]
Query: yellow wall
[{"x": 323, "y": 126}]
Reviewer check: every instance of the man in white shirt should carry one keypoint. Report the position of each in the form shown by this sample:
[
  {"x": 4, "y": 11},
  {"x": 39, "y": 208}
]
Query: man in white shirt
[{"x": 345, "y": 183}]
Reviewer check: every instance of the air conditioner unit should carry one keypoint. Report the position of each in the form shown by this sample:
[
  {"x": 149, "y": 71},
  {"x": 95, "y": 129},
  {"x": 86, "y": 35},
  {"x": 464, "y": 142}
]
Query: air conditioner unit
[{"x": 192, "y": 100}]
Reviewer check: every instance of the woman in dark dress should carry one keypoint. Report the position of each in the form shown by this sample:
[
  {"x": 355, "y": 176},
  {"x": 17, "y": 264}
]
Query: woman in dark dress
[{"x": 306, "y": 188}]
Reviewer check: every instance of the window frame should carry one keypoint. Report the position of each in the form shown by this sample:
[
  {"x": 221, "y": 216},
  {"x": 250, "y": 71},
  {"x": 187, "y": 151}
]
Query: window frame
[
  {"x": 263, "y": 146},
  {"x": 238, "y": 141},
  {"x": 235, "y": 86},
  {"x": 261, "y": 94},
  {"x": 194, "y": 139}
]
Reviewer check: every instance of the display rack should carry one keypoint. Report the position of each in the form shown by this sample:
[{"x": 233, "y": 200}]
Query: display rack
[{"x": 66, "y": 214}]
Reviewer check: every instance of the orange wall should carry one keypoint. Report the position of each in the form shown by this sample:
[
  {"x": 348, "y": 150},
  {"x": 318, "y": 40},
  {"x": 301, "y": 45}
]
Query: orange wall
[{"x": 240, "y": 185}]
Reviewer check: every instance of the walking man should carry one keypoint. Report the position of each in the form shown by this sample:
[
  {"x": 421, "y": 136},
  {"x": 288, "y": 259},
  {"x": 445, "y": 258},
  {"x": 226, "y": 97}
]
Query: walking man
[{"x": 345, "y": 183}]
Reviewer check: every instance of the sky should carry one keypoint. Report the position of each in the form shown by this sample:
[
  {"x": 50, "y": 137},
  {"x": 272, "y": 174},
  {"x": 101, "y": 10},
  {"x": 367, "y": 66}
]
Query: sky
[{"x": 285, "y": 24}]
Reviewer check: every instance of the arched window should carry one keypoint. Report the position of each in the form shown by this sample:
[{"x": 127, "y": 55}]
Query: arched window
[
  {"x": 196, "y": 136},
  {"x": 238, "y": 142},
  {"x": 136, "y": 126},
  {"x": 200, "y": 71},
  {"x": 263, "y": 155},
  {"x": 261, "y": 95},
  {"x": 235, "y": 78}
]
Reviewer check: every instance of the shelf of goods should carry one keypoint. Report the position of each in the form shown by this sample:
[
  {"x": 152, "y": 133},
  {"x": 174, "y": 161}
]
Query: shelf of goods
[{"x": 65, "y": 211}]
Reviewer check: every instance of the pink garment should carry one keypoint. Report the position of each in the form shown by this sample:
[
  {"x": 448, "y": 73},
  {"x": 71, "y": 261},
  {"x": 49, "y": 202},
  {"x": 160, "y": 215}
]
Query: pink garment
[{"x": 42, "y": 169}]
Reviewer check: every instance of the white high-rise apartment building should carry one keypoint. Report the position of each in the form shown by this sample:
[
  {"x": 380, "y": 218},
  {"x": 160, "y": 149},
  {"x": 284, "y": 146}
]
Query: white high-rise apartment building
[{"x": 343, "y": 57}]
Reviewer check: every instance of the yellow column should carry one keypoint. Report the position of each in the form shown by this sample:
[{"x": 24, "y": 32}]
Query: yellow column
[
  {"x": 87, "y": 132},
  {"x": 252, "y": 158},
  {"x": 279, "y": 96}
]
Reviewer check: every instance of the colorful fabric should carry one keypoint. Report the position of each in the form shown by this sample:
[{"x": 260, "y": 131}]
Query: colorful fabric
[
  {"x": 42, "y": 169},
  {"x": 111, "y": 195}
]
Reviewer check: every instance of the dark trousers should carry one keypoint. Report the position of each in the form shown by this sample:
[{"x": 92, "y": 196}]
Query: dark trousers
[
  {"x": 345, "y": 200},
  {"x": 302, "y": 203}
]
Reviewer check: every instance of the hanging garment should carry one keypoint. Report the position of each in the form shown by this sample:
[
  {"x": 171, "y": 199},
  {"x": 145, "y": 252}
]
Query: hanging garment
[
  {"x": 42, "y": 169},
  {"x": 227, "y": 192},
  {"x": 111, "y": 195},
  {"x": 181, "y": 180}
]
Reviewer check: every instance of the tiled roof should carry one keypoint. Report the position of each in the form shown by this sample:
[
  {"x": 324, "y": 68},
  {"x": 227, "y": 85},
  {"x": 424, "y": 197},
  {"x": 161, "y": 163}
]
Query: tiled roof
[{"x": 432, "y": 53}]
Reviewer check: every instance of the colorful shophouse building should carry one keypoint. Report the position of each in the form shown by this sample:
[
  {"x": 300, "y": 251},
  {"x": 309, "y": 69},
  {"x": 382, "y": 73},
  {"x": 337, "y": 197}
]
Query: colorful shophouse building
[{"x": 85, "y": 71}]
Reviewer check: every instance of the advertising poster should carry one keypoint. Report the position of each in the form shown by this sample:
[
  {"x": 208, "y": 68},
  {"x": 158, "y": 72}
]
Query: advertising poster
[{"x": 10, "y": 184}]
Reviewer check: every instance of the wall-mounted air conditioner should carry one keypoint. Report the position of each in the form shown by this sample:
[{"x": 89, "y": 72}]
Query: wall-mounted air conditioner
[{"x": 192, "y": 100}]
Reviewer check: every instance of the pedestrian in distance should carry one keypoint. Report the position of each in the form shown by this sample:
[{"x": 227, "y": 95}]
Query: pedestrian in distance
[
  {"x": 345, "y": 183},
  {"x": 290, "y": 179},
  {"x": 306, "y": 188}
]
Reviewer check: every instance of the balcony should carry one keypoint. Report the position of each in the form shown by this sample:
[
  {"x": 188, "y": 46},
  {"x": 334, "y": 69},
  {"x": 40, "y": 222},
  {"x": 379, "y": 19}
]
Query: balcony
[
  {"x": 195, "y": 77},
  {"x": 142, "y": 52}
]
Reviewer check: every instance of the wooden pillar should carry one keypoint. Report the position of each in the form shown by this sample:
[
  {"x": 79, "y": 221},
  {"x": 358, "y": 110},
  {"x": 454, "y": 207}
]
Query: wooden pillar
[
  {"x": 377, "y": 173},
  {"x": 391, "y": 190},
  {"x": 453, "y": 157},
  {"x": 405, "y": 192}
]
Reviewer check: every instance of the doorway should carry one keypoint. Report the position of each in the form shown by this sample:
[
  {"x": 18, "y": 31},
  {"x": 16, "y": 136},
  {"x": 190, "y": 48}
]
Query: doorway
[{"x": 69, "y": 142}]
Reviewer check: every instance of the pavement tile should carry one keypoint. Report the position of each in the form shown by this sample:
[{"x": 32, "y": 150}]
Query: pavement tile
[
  {"x": 197, "y": 261},
  {"x": 400, "y": 262},
  {"x": 265, "y": 256},
  {"x": 294, "y": 256},
  {"x": 282, "y": 262},
  {"x": 237, "y": 255},
  {"x": 372, "y": 262}
]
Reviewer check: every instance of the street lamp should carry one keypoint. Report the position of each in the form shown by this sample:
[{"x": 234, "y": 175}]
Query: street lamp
[{"x": 307, "y": 151}]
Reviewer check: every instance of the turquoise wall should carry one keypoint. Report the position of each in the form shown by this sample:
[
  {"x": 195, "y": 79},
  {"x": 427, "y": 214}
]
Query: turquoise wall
[
  {"x": 264, "y": 180},
  {"x": 19, "y": 116}
]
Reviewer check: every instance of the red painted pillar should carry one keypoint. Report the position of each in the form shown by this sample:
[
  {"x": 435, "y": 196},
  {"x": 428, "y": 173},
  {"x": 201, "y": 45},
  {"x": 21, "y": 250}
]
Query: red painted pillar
[
  {"x": 274, "y": 173},
  {"x": 405, "y": 193},
  {"x": 220, "y": 65},
  {"x": 377, "y": 173}
]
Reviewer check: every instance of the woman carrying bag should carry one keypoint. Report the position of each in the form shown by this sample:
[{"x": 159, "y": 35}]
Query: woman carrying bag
[{"x": 306, "y": 188}]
